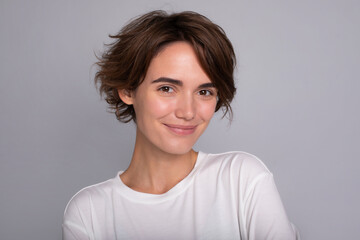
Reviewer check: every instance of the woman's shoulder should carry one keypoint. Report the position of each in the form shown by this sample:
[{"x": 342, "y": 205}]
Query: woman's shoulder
[
  {"x": 237, "y": 158},
  {"x": 90, "y": 195},
  {"x": 240, "y": 163}
]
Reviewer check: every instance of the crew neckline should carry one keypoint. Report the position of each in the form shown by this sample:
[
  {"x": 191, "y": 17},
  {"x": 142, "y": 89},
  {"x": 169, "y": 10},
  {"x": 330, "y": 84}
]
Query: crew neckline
[{"x": 148, "y": 198}]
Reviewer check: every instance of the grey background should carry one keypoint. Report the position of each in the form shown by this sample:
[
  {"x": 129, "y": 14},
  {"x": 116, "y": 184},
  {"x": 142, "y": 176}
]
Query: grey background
[{"x": 296, "y": 107}]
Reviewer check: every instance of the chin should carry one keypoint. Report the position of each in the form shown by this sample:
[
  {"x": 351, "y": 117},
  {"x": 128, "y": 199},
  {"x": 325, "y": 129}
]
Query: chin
[{"x": 177, "y": 149}]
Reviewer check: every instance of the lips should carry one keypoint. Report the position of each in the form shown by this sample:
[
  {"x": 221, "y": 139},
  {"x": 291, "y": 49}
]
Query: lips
[{"x": 181, "y": 129}]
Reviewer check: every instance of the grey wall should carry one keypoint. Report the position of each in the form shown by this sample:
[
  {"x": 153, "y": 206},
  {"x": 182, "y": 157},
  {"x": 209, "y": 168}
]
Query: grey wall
[{"x": 296, "y": 106}]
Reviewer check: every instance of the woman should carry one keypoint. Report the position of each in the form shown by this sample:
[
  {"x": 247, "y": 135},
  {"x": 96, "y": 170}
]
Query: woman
[{"x": 169, "y": 74}]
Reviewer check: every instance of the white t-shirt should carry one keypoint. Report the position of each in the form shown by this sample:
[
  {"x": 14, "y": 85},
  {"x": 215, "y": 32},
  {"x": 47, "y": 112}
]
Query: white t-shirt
[{"x": 226, "y": 196}]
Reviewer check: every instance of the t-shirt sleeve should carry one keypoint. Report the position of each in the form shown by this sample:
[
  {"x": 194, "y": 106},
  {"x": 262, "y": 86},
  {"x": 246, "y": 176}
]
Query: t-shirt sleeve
[
  {"x": 261, "y": 211},
  {"x": 73, "y": 227},
  {"x": 264, "y": 212}
]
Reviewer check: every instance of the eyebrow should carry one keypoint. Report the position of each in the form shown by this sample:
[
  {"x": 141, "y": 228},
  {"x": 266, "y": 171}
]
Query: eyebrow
[
  {"x": 180, "y": 83},
  {"x": 168, "y": 80}
]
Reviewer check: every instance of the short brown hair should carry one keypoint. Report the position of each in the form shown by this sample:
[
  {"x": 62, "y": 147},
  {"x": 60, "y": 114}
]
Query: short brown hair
[{"x": 125, "y": 63}]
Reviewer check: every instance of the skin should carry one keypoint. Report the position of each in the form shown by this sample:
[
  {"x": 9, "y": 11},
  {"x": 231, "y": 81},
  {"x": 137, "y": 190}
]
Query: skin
[{"x": 173, "y": 105}]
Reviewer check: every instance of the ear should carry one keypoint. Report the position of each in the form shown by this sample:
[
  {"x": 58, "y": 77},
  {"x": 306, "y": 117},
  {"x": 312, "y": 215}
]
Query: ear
[{"x": 126, "y": 96}]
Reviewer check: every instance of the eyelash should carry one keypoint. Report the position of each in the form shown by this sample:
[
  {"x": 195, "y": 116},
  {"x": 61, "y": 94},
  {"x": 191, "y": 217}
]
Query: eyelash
[
  {"x": 169, "y": 90},
  {"x": 166, "y": 89},
  {"x": 207, "y": 94}
]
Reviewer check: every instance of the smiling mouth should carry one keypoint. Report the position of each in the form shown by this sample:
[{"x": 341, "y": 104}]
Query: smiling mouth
[{"x": 181, "y": 130}]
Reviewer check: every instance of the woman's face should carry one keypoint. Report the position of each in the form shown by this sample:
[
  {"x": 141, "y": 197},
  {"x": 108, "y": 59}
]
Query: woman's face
[{"x": 175, "y": 102}]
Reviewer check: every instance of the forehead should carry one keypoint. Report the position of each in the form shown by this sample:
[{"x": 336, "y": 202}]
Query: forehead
[{"x": 177, "y": 60}]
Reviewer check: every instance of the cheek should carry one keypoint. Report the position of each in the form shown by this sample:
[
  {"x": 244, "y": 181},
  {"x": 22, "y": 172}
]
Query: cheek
[
  {"x": 156, "y": 107},
  {"x": 207, "y": 110}
]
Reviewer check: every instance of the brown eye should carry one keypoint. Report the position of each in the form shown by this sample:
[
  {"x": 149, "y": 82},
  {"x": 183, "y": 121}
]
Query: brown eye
[
  {"x": 166, "y": 89},
  {"x": 205, "y": 93}
]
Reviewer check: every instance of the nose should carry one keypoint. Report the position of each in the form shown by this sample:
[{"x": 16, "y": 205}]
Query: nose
[{"x": 186, "y": 108}]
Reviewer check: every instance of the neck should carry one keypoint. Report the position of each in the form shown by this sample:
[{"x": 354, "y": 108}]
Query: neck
[{"x": 155, "y": 171}]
